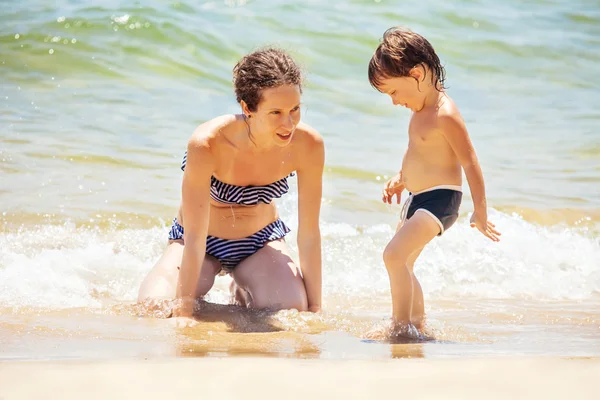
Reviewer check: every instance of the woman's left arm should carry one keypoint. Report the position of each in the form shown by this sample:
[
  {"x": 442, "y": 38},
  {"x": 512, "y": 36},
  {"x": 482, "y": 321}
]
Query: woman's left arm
[{"x": 310, "y": 179}]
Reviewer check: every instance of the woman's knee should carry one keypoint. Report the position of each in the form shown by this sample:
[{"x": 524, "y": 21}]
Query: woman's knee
[
  {"x": 274, "y": 300},
  {"x": 297, "y": 301},
  {"x": 160, "y": 281},
  {"x": 155, "y": 287}
]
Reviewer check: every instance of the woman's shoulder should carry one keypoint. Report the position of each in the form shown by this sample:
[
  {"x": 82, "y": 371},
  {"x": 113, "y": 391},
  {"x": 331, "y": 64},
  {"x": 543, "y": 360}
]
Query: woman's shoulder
[
  {"x": 308, "y": 137},
  {"x": 210, "y": 134},
  {"x": 308, "y": 143}
]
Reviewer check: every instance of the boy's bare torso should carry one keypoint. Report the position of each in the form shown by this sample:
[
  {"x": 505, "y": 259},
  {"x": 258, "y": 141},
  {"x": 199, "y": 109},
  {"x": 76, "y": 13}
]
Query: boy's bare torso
[{"x": 429, "y": 160}]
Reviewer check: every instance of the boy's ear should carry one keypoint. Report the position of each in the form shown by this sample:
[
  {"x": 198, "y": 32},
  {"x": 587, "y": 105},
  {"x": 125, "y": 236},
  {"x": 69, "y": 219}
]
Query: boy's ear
[{"x": 418, "y": 72}]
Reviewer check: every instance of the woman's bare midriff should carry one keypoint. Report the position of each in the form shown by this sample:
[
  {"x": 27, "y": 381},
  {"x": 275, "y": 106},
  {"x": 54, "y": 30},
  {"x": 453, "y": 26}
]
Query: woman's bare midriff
[{"x": 237, "y": 222}]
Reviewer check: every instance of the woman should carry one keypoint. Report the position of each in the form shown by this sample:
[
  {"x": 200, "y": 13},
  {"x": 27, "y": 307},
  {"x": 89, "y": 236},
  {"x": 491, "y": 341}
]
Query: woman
[{"x": 234, "y": 167}]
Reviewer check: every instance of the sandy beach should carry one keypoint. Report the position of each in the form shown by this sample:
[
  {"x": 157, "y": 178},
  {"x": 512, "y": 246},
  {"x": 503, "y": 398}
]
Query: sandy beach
[{"x": 265, "y": 378}]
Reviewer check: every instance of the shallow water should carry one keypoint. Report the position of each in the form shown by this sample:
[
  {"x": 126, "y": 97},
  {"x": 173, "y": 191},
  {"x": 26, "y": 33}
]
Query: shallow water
[
  {"x": 97, "y": 103},
  {"x": 458, "y": 329}
]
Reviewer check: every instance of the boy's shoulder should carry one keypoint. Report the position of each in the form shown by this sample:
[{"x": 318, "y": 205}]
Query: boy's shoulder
[
  {"x": 449, "y": 118},
  {"x": 447, "y": 108}
]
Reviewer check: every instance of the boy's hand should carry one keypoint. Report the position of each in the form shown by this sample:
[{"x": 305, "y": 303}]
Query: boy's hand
[
  {"x": 479, "y": 221},
  {"x": 393, "y": 187}
]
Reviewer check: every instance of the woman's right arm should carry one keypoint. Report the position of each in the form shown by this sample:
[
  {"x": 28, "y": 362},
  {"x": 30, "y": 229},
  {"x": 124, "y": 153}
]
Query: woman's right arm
[{"x": 195, "y": 209}]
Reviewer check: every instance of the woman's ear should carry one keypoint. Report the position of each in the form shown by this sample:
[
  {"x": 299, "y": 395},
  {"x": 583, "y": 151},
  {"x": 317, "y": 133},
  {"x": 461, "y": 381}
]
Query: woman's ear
[{"x": 245, "y": 109}]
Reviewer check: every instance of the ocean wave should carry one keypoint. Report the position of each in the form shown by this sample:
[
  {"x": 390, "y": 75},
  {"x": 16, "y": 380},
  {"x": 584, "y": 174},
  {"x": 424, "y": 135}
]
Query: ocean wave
[{"x": 64, "y": 266}]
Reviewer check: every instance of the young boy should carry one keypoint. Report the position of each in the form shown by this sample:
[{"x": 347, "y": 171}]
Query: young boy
[{"x": 406, "y": 67}]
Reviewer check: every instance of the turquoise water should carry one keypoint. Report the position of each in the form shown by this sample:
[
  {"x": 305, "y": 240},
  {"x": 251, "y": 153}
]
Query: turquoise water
[
  {"x": 97, "y": 92},
  {"x": 97, "y": 103}
]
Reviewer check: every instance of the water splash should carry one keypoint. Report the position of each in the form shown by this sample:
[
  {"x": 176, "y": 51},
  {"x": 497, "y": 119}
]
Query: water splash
[{"x": 63, "y": 266}]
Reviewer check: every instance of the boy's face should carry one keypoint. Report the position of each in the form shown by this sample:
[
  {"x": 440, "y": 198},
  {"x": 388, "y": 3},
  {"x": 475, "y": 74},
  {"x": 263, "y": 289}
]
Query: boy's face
[{"x": 404, "y": 91}]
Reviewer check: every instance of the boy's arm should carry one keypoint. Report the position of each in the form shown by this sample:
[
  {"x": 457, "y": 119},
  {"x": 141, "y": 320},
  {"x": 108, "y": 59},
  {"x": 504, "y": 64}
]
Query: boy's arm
[{"x": 454, "y": 130}]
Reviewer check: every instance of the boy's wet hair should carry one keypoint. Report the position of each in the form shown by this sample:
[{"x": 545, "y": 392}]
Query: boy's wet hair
[
  {"x": 263, "y": 69},
  {"x": 400, "y": 51}
]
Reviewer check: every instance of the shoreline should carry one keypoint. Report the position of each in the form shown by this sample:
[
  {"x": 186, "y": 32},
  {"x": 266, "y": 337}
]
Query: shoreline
[{"x": 489, "y": 378}]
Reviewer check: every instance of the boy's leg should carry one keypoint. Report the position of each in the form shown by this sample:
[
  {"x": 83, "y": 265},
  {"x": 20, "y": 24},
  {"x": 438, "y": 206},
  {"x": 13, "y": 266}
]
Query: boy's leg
[
  {"x": 418, "y": 308},
  {"x": 419, "y": 230}
]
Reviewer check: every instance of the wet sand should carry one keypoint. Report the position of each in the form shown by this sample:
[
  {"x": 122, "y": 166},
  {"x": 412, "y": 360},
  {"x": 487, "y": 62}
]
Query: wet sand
[
  {"x": 466, "y": 328},
  {"x": 224, "y": 378}
]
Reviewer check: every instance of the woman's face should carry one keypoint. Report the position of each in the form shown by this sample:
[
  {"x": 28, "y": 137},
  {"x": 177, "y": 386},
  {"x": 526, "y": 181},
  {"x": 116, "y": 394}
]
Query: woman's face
[{"x": 277, "y": 115}]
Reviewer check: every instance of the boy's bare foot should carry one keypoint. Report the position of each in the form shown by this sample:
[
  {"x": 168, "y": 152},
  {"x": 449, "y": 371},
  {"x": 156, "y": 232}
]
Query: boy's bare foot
[{"x": 392, "y": 330}]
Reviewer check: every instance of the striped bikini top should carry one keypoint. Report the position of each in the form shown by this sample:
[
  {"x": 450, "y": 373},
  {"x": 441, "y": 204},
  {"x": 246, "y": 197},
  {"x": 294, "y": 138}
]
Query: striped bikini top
[{"x": 227, "y": 193}]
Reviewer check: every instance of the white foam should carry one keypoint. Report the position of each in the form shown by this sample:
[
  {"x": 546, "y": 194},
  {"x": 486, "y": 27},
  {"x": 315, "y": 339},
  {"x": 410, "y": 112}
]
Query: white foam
[
  {"x": 530, "y": 262},
  {"x": 62, "y": 266}
]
